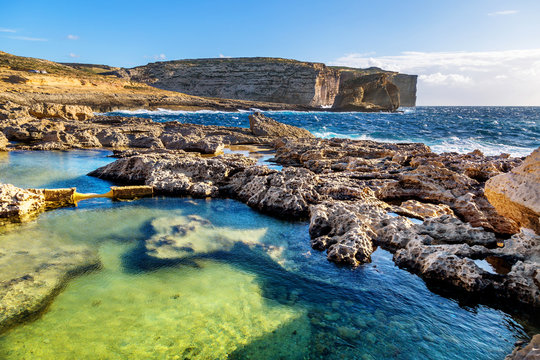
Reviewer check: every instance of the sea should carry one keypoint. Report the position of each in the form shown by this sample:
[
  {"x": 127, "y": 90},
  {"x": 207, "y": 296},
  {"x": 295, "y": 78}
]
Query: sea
[
  {"x": 251, "y": 287},
  {"x": 493, "y": 130}
]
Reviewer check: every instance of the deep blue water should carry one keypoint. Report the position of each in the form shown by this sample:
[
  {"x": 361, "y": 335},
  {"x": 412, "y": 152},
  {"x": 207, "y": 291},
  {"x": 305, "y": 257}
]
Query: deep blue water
[
  {"x": 514, "y": 130},
  {"x": 376, "y": 311}
]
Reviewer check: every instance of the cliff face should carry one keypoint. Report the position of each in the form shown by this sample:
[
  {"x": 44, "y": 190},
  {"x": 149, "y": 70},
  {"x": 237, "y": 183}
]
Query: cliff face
[
  {"x": 281, "y": 81},
  {"x": 373, "y": 92}
]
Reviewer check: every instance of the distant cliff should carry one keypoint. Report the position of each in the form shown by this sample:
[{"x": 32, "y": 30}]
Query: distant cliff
[{"x": 281, "y": 81}]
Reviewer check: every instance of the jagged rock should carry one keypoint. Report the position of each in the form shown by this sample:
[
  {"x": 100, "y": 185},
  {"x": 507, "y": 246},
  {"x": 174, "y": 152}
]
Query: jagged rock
[
  {"x": 34, "y": 270},
  {"x": 282, "y": 193},
  {"x": 516, "y": 194},
  {"x": 436, "y": 183},
  {"x": 346, "y": 229},
  {"x": 70, "y": 112},
  {"x": 419, "y": 210},
  {"x": 261, "y": 125},
  {"x": 14, "y": 113},
  {"x": 17, "y": 204},
  {"x": 179, "y": 173},
  {"x": 530, "y": 351}
]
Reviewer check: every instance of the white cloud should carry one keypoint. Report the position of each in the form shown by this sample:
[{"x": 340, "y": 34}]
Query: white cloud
[
  {"x": 223, "y": 56},
  {"x": 509, "y": 77},
  {"x": 72, "y": 55},
  {"x": 26, "y": 38},
  {"x": 445, "y": 79},
  {"x": 159, "y": 57},
  {"x": 503, "y": 12},
  {"x": 7, "y": 30},
  {"x": 73, "y": 37}
]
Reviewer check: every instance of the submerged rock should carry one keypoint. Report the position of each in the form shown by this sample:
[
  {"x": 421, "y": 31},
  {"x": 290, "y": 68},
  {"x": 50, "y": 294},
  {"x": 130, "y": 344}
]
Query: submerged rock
[
  {"x": 34, "y": 270},
  {"x": 188, "y": 236},
  {"x": 516, "y": 194}
]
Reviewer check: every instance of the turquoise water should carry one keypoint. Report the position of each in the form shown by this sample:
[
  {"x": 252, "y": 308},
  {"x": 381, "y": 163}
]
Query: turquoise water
[
  {"x": 250, "y": 286},
  {"x": 515, "y": 130}
]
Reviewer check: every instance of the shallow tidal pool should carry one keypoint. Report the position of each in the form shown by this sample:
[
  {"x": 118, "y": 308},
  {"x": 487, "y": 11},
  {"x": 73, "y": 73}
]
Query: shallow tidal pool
[{"x": 241, "y": 286}]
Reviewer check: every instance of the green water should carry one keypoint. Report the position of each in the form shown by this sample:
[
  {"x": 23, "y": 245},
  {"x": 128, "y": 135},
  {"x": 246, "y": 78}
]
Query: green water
[{"x": 240, "y": 286}]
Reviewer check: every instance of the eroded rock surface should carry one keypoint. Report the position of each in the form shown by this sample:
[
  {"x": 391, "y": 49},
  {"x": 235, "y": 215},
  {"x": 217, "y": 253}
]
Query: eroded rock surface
[
  {"x": 360, "y": 193},
  {"x": 516, "y": 194},
  {"x": 62, "y": 133},
  {"x": 4, "y": 142},
  {"x": 530, "y": 351},
  {"x": 71, "y": 112},
  {"x": 17, "y": 204}
]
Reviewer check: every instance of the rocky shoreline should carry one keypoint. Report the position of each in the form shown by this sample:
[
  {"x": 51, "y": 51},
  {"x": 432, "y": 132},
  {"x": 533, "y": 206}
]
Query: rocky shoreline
[{"x": 356, "y": 194}]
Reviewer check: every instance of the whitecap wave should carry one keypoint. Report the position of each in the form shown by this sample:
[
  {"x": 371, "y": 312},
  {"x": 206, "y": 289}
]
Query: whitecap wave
[
  {"x": 160, "y": 111},
  {"x": 463, "y": 146},
  {"x": 452, "y": 144}
]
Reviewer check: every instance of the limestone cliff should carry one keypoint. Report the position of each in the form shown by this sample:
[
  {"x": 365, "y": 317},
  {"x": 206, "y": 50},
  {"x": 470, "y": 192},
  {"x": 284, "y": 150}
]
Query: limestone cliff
[{"x": 281, "y": 81}]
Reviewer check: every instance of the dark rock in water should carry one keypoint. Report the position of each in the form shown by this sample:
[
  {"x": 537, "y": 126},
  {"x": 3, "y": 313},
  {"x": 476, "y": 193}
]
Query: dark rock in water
[
  {"x": 530, "y": 351},
  {"x": 261, "y": 125}
]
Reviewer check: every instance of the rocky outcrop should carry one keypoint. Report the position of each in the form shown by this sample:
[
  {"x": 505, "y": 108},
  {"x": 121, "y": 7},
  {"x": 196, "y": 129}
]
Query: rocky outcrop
[
  {"x": 118, "y": 132},
  {"x": 281, "y": 81},
  {"x": 530, "y": 351},
  {"x": 4, "y": 142},
  {"x": 358, "y": 194},
  {"x": 261, "y": 125},
  {"x": 516, "y": 194},
  {"x": 367, "y": 93},
  {"x": 70, "y": 112},
  {"x": 177, "y": 173},
  {"x": 18, "y": 204}
]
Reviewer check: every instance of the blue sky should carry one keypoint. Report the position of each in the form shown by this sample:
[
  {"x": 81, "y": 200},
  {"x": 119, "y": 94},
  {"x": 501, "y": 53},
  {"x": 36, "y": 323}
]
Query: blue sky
[{"x": 458, "y": 47}]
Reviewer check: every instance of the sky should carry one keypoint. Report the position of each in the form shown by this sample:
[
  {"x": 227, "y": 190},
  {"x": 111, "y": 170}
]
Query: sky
[{"x": 466, "y": 52}]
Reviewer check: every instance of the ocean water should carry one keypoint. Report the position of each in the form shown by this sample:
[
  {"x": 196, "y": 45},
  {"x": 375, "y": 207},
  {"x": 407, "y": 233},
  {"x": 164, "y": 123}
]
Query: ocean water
[
  {"x": 514, "y": 130},
  {"x": 251, "y": 287}
]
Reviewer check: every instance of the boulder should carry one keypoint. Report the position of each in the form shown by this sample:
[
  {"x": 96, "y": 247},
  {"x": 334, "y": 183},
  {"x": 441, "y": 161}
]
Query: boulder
[
  {"x": 261, "y": 125},
  {"x": 516, "y": 194}
]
